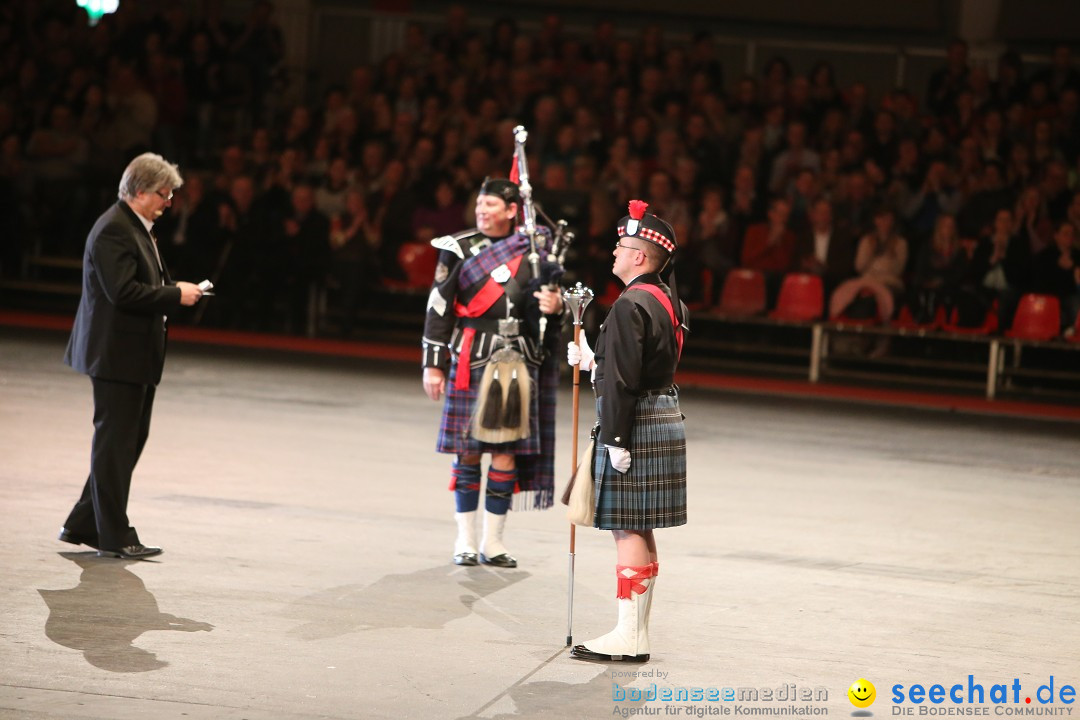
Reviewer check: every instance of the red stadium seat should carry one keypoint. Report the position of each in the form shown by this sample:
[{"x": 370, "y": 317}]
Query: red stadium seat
[
  {"x": 1075, "y": 337},
  {"x": 802, "y": 298},
  {"x": 988, "y": 327},
  {"x": 611, "y": 293},
  {"x": 906, "y": 321},
  {"x": 706, "y": 292},
  {"x": 1038, "y": 317},
  {"x": 417, "y": 260},
  {"x": 743, "y": 294}
]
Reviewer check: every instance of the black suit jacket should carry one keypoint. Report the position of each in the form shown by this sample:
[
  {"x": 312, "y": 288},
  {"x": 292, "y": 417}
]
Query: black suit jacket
[
  {"x": 119, "y": 331},
  {"x": 839, "y": 260}
]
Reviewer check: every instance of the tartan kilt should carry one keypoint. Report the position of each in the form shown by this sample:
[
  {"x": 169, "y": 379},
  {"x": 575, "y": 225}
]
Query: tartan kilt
[
  {"x": 535, "y": 455},
  {"x": 652, "y": 494}
]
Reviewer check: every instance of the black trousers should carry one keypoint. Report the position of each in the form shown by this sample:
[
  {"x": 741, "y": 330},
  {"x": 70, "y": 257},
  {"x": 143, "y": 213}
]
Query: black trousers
[{"x": 121, "y": 426}]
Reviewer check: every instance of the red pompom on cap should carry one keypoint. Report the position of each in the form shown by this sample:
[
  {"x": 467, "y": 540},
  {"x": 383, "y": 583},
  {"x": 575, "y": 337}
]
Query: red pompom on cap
[{"x": 637, "y": 209}]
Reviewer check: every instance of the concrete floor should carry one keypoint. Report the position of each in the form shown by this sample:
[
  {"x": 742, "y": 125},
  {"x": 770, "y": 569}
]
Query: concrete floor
[{"x": 307, "y": 535}]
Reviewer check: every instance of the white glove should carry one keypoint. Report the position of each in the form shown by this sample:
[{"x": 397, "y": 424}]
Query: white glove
[
  {"x": 583, "y": 355},
  {"x": 620, "y": 458}
]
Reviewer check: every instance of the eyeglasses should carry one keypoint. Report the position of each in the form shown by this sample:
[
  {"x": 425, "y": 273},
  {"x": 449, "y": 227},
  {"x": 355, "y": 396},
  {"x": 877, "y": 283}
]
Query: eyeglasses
[
  {"x": 628, "y": 247},
  {"x": 166, "y": 198}
]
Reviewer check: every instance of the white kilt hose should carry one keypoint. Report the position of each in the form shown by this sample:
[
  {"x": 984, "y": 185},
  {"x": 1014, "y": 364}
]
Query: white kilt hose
[{"x": 652, "y": 494}]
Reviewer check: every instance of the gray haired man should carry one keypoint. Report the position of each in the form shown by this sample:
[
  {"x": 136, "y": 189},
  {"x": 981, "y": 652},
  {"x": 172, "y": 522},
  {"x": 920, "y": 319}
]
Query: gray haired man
[{"x": 119, "y": 341}]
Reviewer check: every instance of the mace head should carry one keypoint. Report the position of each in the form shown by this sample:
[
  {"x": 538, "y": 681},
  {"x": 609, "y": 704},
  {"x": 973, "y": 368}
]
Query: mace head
[{"x": 577, "y": 298}]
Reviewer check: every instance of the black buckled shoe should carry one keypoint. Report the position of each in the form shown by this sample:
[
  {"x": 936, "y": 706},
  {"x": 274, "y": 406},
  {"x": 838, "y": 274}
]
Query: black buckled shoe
[
  {"x": 506, "y": 560},
  {"x": 70, "y": 537},
  {"x": 465, "y": 558},
  {"x": 131, "y": 552},
  {"x": 580, "y": 652}
]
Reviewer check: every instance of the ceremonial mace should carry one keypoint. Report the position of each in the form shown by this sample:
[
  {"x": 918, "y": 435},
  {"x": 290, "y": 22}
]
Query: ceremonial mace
[{"x": 577, "y": 299}]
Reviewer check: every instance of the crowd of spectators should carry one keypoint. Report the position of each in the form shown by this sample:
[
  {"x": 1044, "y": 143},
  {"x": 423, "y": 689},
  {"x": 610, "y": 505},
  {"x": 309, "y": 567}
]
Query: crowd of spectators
[{"x": 961, "y": 198}]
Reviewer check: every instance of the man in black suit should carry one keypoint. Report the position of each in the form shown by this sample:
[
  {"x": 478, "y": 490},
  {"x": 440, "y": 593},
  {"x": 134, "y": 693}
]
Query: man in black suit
[
  {"x": 824, "y": 249},
  {"x": 119, "y": 341}
]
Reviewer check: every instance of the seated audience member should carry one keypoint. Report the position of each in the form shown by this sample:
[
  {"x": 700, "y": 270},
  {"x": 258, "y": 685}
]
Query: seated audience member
[
  {"x": 770, "y": 246},
  {"x": 880, "y": 259},
  {"x": 824, "y": 249},
  {"x": 441, "y": 214},
  {"x": 1056, "y": 271},
  {"x": 796, "y": 157},
  {"x": 938, "y": 270},
  {"x": 1004, "y": 265},
  {"x": 710, "y": 246},
  {"x": 330, "y": 195}
]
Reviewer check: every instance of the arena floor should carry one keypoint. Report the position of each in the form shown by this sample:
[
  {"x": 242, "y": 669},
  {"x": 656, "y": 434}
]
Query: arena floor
[{"x": 308, "y": 532}]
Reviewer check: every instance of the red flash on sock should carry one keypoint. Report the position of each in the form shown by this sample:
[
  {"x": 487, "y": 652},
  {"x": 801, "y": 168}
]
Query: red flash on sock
[{"x": 628, "y": 583}]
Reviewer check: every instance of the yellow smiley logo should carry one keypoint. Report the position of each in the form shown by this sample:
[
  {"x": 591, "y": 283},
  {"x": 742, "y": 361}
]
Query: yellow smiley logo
[{"x": 862, "y": 693}]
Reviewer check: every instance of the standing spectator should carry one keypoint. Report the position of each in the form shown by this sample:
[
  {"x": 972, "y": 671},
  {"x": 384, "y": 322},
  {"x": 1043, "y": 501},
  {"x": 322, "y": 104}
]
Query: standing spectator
[
  {"x": 245, "y": 272},
  {"x": 391, "y": 208},
  {"x": 354, "y": 261},
  {"x": 304, "y": 235}
]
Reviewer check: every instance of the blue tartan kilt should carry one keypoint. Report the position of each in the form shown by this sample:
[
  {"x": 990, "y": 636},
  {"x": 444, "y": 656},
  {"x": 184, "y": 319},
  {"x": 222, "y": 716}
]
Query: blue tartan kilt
[
  {"x": 457, "y": 417},
  {"x": 534, "y": 455},
  {"x": 652, "y": 494}
]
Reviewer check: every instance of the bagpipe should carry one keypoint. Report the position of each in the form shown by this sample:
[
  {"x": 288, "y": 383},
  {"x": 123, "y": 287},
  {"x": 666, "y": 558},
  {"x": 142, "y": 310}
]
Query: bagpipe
[
  {"x": 546, "y": 271},
  {"x": 502, "y": 415}
]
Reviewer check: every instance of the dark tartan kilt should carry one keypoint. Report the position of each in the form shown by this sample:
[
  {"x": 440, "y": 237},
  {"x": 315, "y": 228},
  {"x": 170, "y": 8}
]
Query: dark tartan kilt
[
  {"x": 535, "y": 455},
  {"x": 454, "y": 435},
  {"x": 652, "y": 494}
]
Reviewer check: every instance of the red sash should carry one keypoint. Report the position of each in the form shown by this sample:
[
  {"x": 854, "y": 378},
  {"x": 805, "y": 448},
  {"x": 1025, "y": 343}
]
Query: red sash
[
  {"x": 666, "y": 302},
  {"x": 480, "y": 304}
]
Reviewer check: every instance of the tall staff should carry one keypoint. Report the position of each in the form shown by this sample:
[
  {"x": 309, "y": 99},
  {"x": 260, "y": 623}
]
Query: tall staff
[{"x": 577, "y": 299}]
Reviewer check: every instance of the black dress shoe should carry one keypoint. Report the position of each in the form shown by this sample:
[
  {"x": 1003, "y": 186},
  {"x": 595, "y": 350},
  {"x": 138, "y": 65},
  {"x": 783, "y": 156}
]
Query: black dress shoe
[
  {"x": 465, "y": 558},
  {"x": 131, "y": 552},
  {"x": 580, "y": 652},
  {"x": 504, "y": 561},
  {"x": 70, "y": 537}
]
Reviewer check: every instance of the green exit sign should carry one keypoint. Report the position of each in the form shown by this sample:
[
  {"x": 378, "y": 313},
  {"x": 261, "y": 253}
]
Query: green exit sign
[{"x": 96, "y": 8}]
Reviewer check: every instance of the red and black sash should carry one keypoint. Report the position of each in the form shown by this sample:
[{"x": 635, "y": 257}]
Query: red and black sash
[
  {"x": 666, "y": 302},
  {"x": 489, "y": 294}
]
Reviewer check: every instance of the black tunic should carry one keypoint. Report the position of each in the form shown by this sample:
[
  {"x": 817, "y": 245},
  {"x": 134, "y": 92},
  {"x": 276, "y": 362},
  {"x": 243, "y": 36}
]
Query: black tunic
[{"x": 635, "y": 352}]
